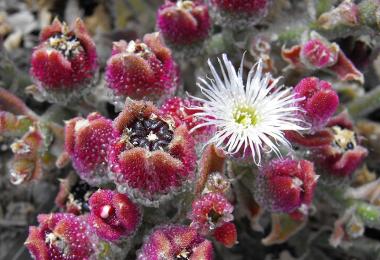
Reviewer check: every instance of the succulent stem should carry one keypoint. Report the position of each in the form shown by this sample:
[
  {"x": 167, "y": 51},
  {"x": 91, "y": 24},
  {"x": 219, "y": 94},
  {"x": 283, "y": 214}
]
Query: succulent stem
[{"x": 366, "y": 104}]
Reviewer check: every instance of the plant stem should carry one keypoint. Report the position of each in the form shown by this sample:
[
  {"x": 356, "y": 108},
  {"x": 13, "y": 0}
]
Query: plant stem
[{"x": 366, "y": 104}]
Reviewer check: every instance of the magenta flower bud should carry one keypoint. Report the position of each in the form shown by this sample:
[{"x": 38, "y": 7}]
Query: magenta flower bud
[
  {"x": 86, "y": 142},
  {"x": 150, "y": 158},
  {"x": 318, "y": 55},
  {"x": 142, "y": 69},
  {"x": 226, "y": 234},
  {"x": 184, "y": 25},
  {"x": 175, "y": 242},
  {"x": 60, "y": 236},
  {"x": 239, "y": 13},
  {"x": 286, "y": 185},
  {"x": 113, "y": 215},
  {"x": 320, "y": 101},
  {"x": 182, "y": 111},
  {"x": 65, "y": 61},
  {"x": 210, "y": 211}
]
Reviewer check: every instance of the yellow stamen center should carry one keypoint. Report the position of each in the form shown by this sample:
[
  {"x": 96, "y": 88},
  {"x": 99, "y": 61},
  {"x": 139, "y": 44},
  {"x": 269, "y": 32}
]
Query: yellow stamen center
[{"x": 246, "y": 116}]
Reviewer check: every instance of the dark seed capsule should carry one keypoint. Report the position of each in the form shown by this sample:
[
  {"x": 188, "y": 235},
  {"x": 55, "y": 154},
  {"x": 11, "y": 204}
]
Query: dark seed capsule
[
  {"x": 138, "y": 126},
  {"x": 138, "y": 133},
  {"x": 148, "y": 123},
  {"x": 167, "y": 137},
  {"x": 144, "y": 143},
  {"x": 157, "y": 124},
  {"x": 80, "y": 193},
  {"x": 160, "y": 145},
  {"x": 141, "y": 129},
  {"x": 135, "y": 142}
]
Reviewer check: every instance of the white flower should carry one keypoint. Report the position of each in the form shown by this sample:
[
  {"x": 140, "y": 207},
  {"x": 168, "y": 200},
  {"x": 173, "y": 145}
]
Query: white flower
[{"x": 254, "y": 114}]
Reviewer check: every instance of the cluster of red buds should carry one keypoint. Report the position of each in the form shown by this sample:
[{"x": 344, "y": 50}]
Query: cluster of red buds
[
  {"x": 210, "y": 211},
  {"x": 146, "y": 159},
  {"x": 211, "y": 214}
]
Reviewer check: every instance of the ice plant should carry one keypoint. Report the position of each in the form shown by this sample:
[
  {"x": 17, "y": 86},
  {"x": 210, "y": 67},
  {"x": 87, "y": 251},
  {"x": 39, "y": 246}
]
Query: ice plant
[
  {"x": 286, "y": 185},
  {"x": 142, "y": 69},
  {"x": 317, "y": 53},
  {"x": 210, "y": 211},
  {"x": 65, "y": 61},
  {"x": 60, "y": 236},
  {"x": 181, "y": 112},
  {"x": 336, "y": 150},
  {"x": 184, "y": 24},
  {"x": 320, "y": 101},
  {"x": 239, "y": 13},
  {"x": 113, "y": 215},
  {"x": 29, "y": 154},
  {"x": 344, "y": 154},
  {"x": 86, "y": 143},
  {"x": 249, "y": 117},
  {"x": 255, "y": 155},
  {"x": 175, "y": 242},
  {"x": 150, "y": 157}
]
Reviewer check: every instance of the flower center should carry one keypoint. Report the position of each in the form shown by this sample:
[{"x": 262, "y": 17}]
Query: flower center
[
  {"x": 213, "y": 218},
  {"x": 344, "y": 139},
  {"x": 79, "y": 195},
  {"x": 183, "y": 255},
  {"x": 68, "y": 45},
  {"x": 217, "y": 182},
  {"x": 185, "y": 4},
  {"x": 297, "y": 183},
  {"x": 53, "y": 239},
  {"x": 152, "y": 134},
  {"x": 138, "y": 48},
  {"x": 245, "y": 115}
]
